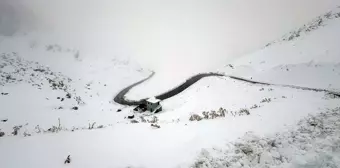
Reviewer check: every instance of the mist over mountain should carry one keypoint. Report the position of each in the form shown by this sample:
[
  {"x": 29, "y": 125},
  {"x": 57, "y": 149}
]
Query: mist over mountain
[{"x": 167, "y": 36}]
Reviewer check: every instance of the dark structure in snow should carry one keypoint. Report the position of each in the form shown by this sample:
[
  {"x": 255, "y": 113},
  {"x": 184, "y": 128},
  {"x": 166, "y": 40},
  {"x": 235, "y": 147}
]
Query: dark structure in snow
[
  {"x": 68, "y": 159},
  {"x": 2, "y": 134},
  {"x": 153, "y": 105}
]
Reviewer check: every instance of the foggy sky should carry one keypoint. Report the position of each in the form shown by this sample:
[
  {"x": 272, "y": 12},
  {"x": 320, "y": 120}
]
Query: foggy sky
[{"x": 185, "y": 35}]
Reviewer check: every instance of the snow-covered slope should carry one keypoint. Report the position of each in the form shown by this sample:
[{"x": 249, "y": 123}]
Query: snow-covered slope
[
  {"x": 309, "y": 56},
  {"x": 60, "y": 86},
  {"x": 54, "y": 102}
]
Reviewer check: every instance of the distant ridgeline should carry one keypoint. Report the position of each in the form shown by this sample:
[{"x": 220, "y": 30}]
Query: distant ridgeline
[{"x": 311, "y": 26}]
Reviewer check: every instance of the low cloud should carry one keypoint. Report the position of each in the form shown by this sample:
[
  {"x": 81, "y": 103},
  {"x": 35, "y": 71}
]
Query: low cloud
[{"x": 170, "y": 36}]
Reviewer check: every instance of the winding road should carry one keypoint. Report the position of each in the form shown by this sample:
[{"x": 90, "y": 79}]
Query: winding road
[{"x": 120, "y": 97}]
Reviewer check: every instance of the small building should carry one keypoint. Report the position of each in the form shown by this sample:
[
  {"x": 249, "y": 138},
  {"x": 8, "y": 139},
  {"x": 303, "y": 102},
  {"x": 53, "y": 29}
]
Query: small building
[{"x": 153, "y": 105}]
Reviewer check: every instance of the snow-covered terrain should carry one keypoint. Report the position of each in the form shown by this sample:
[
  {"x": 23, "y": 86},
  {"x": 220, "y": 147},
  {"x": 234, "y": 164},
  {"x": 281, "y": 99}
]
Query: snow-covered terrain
[
  {"x": 55, "y": 102},
  {"x": 314, "y": 142},
  {"x": 308, "y": 56},
  {"x": 64, "y": 87}
]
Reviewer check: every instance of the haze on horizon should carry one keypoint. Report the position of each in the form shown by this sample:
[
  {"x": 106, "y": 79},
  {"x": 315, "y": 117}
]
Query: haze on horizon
[{"x": 168, "y": 36}]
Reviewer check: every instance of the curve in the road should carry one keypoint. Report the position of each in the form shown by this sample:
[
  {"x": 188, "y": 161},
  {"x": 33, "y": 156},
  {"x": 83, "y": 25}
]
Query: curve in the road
[{"x": 120, "y": 97}]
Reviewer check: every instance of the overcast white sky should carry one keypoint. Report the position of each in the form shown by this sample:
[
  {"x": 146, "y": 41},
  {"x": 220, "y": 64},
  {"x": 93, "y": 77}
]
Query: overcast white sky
[{"x": 169, "y": 34}]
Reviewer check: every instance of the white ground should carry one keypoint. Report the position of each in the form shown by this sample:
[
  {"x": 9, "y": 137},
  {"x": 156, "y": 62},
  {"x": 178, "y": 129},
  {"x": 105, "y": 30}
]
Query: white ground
[{"x": 312, "y": 60}]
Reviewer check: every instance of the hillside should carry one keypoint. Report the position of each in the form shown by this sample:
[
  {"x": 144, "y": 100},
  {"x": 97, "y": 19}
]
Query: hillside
[
  {"x": 308, "y": 56},
  {"x": 57, "y": 102}
]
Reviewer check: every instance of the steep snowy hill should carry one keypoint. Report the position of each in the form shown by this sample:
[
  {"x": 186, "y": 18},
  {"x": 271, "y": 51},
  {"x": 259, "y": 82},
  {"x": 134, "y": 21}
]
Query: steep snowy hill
[
  {"x": 309, "y": 56},
  {"x": 55, "y": 103}
]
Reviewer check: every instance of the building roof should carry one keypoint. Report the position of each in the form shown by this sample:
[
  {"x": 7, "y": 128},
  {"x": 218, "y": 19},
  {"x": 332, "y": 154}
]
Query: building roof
[{"x": 153, "y": 100}]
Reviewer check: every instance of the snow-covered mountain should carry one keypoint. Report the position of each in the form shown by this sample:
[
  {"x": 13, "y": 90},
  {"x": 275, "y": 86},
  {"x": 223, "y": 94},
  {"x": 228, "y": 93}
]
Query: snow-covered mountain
[
  {"x": 55, "y": 102},
  {"x": 308, "y": 56}
]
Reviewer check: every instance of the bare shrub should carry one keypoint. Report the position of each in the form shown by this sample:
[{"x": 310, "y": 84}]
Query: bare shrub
[
  {"x": 26, "y": 134},
  {"x": 155, "y": 126},
  {"x": 154, "y": 120},
  {"x": 200, "y": 164},
  {"x": 55, "y": 129},
  {"x": 245, "y": 148},
  {"x": 134, "y": 121},
  {"x": 91, "y": 126},
  {"x": 244, "y": 111},
  {"x": 16, "y": 129},
  {"x": 100, "y": 126},
  {"x": 254, "y": 106},
  {"x": 266, "y": 100},
  {"x": 205, "y": 115},
  {"x": 142, "y": 119},
  {"x": 79, "y": 100},
  {"x": 213, "y": 115},
  {"x": 222, "y": 112},
  {"x": 68, "y": 160},
  {"x": 195, "y": 117}
]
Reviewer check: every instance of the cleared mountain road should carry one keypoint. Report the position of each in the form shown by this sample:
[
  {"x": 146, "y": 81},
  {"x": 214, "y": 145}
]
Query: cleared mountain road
[{"x": 121, "y": 99}]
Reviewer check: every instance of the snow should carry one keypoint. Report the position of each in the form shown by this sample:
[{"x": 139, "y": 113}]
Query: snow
[
  {"x": 153, "y": 100},
  {"x": 313, "y": 143},
  {"x": 285, "y": 127},
  {"x": 32, "y": 99},
  {"x": 312, "y": 60}
]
